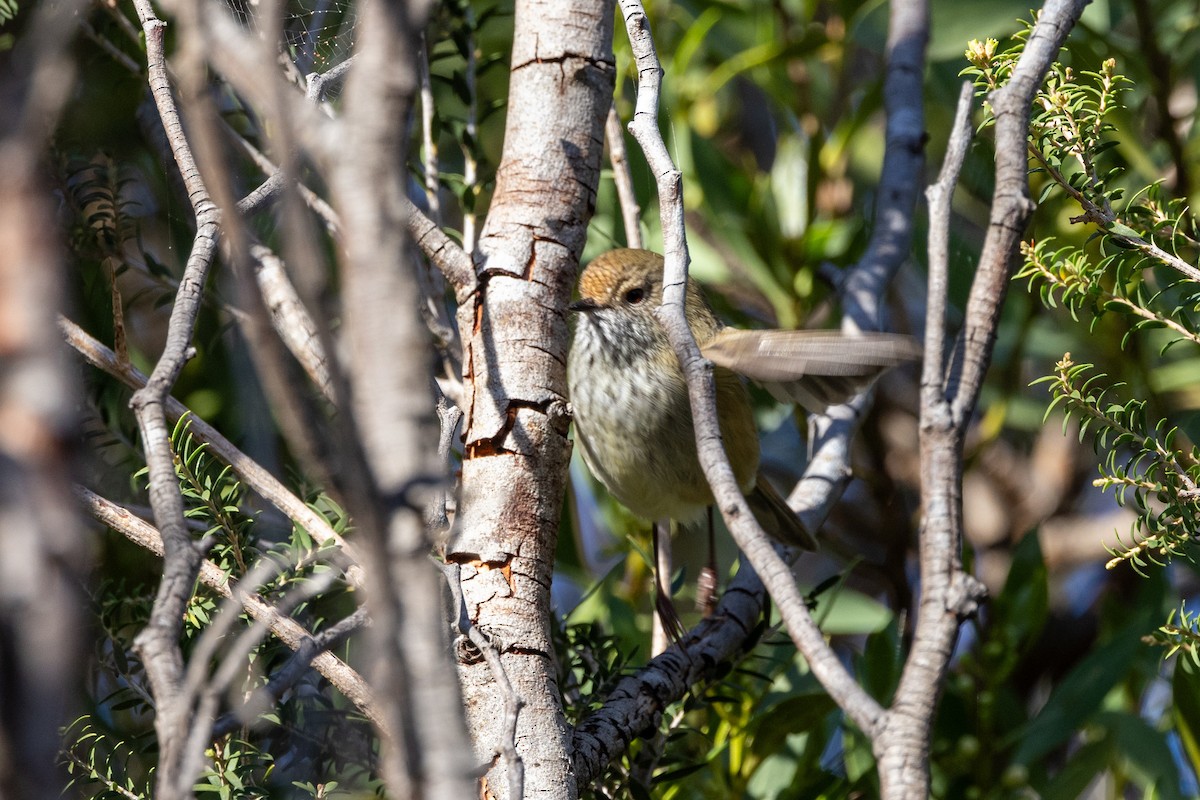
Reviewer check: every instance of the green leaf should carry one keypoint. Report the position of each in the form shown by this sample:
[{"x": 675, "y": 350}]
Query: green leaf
[
  {"x": 880, "y": 663},
  {"x": 1120, "y": 229},
  {"x": 794, "y": 715},
  {"x": 1078, "y": 773},
  {"x": 1185, "y": 692},
  {"x": 1080, "y": 694},
  {"x": 1147, "y": 751}
]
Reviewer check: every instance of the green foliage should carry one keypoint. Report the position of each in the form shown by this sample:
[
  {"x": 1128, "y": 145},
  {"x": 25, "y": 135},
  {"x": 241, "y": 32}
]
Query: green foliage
[
  {"x": 1180, "y": 637},
  {"x": 1137, "y": 457},
  {"x": 215, "y": 497},
  {"x": 1132, "y": 276},
  {"x": 115, "y": 757},
  {"x": 99, "y": 763},
  {"x": 772, "y": 112},
  {"x": 237, "y": 769},
  {"x": 1068, "y": 142}
]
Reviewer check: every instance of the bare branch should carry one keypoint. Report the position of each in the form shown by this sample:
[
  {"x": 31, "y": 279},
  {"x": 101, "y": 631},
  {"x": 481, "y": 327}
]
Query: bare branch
[
  {"x": 441, "y": 250},
  {"x": 631, "y": 213},
  {"x": 269, "y": 168},
  {"x": 390, "y": 428},
  {"x": 906, "y": 730},
  {"x": 940, "y": 195},
  {"x": 158, "y": 643},
  {"x": 248, "y": 470},
  {"x": 321, "y": 82},
  {"x": 948, "y": 594},
  {"x": 863, "y": 289},
  {"x": 903, "y": 165},
  {"x": 428, "y": 140},
  {"x": 773, "y": 570},
  {"x": 116, "y": 53},
  {"x": 345, "y": 678},
  {"x": 46, "y": 554},
  {"x": 470, "y": 163},
  {"x": 290, "y": 318},
  {"x": 449, "y": 415},
  {"x": 1011, "y": 205}
]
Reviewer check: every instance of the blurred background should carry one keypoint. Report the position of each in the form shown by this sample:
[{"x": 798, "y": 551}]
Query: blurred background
[{"x": 773, "y": 111}]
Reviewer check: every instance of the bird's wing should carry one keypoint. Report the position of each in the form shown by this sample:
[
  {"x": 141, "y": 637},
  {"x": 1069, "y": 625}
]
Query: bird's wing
[{"x": 814, "y": 368}]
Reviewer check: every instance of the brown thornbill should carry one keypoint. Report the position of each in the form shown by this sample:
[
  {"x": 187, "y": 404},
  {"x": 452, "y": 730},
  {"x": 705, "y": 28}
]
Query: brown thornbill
[{"x": 633, "y": 420}]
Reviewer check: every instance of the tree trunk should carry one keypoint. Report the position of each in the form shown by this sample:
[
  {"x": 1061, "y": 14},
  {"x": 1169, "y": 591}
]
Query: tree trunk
[{"x": 515, "y": 337}]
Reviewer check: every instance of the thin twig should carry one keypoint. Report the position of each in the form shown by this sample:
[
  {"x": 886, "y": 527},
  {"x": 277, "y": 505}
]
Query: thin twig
[
  {"x": 258, "y": 197},
  {"x": 321, "y": 208},
  {"x": 939, "y": 196},
  {"x": 773, "y": 570},
  {"x": 507, "y": 749},
  {"x": 442, "y": 251},
  {"x": 471, "y": 139},
  {"x": 449, "y": 415},
  {"x": 247, "y": 469},
  {"x": 428, "y": 140},
  {"x": 341, "y": 675},
  {"x": 321, "y": 82},
  {"x": 116, "y": 53},
  {"x": 290, "y": 318},
  {"x": 158, "y": 643},
  {"x": 631, "y": 213}
]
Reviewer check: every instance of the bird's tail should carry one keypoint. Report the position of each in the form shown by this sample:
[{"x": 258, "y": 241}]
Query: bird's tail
[{"x": 776, "y": 517}]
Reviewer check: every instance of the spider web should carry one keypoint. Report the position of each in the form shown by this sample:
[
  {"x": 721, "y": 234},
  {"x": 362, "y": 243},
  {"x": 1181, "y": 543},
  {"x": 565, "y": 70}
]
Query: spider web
[{"x": 317, "y": 34}]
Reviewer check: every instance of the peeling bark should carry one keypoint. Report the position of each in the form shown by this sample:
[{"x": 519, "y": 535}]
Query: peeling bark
[{"x": 515, "y": 340}]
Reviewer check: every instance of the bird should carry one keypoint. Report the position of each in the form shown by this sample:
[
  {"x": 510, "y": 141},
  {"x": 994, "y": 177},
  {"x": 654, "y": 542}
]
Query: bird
[{"x": 629, "y": 398}]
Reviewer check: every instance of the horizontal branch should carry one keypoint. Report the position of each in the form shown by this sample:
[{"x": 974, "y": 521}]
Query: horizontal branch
[
  {"x": 440, "y": 249},
  {"x": 247, "y": 469},
  {"x": 344, "y": 677}
]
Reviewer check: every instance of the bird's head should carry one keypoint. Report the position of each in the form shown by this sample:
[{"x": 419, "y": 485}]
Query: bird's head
[{"x": 627, "y": 280}]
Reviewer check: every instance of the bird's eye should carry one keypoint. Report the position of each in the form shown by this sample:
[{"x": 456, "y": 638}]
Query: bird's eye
[{"x": 635, "y": 295}]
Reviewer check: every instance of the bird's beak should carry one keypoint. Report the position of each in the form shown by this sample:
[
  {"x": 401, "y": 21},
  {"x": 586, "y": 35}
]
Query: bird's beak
[{"x": 584, "y": 304}]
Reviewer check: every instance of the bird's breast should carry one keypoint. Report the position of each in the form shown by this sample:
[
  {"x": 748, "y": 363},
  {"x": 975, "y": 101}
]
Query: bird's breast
[{"x": 633, "y": 422}]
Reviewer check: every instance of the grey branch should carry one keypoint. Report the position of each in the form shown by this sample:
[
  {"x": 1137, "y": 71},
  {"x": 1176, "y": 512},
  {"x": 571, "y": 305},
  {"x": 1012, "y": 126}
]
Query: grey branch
[
  {"x": 440, "y": 249},
  {"x": 46, "y": 552},
  {"x": 631, "y": 213},
  {"x": 291, "y": 633},
  {"x": 939, "y": 196},
  {"x": 391, "y": 434},
  {"x": 290, "y": 318},
  {"x": 247, "y": 469},
  {"x": 158, "y": 643},
  {"x": 903, "y": 165},
  {"x": 773, "y": 570},
  {"x": 949, "y": 392}
]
